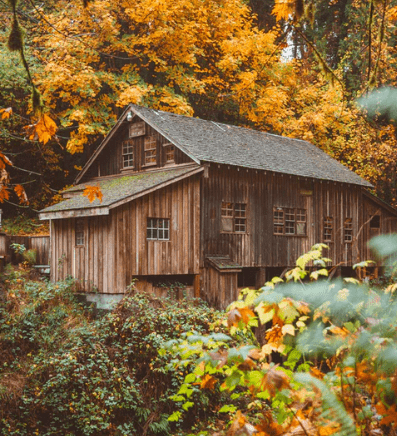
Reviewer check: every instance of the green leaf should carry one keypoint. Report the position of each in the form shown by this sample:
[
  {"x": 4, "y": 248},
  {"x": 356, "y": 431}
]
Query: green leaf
[
  {"x": 175, "y": 416},
  {"x": 227, "y": 408}
]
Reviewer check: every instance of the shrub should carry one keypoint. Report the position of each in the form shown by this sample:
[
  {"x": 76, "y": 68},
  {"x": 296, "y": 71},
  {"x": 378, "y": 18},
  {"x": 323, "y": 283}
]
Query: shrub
[
  {"x": 74, "y": 375},
  {"x": 336, "y": 346}
]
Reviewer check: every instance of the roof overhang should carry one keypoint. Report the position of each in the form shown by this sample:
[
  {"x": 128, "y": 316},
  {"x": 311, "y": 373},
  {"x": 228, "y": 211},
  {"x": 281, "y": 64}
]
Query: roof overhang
[
  {"x": 380, "y": 202},
  {"x": 74, "y": 213},
  {"x": 105, "y": 210}
]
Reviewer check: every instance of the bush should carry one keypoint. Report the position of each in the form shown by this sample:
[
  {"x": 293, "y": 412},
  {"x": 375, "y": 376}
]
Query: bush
[
  {"x": 336, "y": 348},
  {"x": 74, "y": 375}
]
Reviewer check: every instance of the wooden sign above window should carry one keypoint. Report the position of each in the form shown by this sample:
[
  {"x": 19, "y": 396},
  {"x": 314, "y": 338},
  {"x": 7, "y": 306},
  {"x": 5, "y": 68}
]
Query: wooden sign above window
[{"x": 137, "y": 129}]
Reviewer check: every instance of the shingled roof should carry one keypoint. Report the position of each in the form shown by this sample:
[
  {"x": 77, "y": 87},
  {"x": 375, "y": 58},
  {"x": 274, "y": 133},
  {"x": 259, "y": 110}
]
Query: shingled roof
[
  {"x": 116, "y": 191},
  {"x": 209, "y": 141}
]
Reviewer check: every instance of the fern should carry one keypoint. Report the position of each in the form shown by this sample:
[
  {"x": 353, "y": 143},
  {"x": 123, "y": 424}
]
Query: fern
[{"x": 333, "y": 409}]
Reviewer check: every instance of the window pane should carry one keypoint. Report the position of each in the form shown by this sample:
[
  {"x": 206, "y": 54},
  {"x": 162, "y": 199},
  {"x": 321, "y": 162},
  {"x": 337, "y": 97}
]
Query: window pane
[
  {"x": 239, "y": 210},
  {"x": 79, "y": 232},
  {"x": 227, "y": 209},
  {"x": 348, "y": 230},
  {"x": 278, "y": 220},
  {"x": 150, "y": 150},
  {"x": 328, "y": 227},
  {"x": 239, "y": 225},
  {"x": 158, "y": 229},
  {"x": 169, "y": 151},
  {"x": 301, "y": 228},
  {"x": 128, "y": 153},
  {"x": 226, "y": 224},
  {"x": 289, "y": 221}
]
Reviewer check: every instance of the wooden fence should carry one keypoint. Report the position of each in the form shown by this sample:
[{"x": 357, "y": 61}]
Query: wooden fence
[{"x": 41, "y": 244}]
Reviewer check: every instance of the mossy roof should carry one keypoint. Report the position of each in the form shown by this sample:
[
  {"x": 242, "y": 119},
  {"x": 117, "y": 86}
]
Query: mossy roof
[{"x": 118, "y": 188}]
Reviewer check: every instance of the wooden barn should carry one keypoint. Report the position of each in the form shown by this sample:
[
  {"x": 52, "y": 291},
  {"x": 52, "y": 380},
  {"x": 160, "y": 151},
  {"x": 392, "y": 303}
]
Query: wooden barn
[{"x": 213, "y": 206}]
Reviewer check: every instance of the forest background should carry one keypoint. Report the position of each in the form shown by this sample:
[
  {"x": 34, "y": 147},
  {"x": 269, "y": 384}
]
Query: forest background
[{"x": 293, "y": 68}]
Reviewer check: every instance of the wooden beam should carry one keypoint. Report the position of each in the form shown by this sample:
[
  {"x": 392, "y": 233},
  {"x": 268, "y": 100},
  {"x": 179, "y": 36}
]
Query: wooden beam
[{"x": 75, "y": 213}]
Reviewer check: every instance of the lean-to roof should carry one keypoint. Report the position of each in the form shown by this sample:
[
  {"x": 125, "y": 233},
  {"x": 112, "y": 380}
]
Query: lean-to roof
[{"x": 116, "y": 191}]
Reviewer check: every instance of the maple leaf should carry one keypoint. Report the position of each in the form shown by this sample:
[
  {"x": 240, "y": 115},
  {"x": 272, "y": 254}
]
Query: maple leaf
[
  {"x": 208, "y": 382},
  {"x": 283, "y": 9},
  {"x": 20, "y": 191},
  {"x": 221, "y": 357},
  {"x": 275, "y": 380},
  {"x": 5, "y": 113},
  {"x": 93, "y": 192},
  {"x": 4, "y": 161},
  {"x": 4, "y": 193},
  {"x": 43, "y": 130}
]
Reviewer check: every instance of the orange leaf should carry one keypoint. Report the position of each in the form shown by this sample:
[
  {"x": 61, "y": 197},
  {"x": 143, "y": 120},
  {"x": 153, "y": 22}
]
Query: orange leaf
[
  {"x": 43, "y": 130},
  {"x": 20, "y": 191},
  {"x": 4, "y": 161},
  {"x": 233, "y": 317},
  {"x": 93, "y": 192},
  {"x": 208, "y": 382},
  {"x": 4, "y": 193},
  {"x": 275, "y": 380},
  {"x": 5, "y": 113}
]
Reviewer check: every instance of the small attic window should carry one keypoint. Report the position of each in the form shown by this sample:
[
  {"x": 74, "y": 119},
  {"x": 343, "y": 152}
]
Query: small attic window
[
  {"x": 128, "y": 153},
  {"x": 169, "y": 152},
  {"x": 150, "y": 150}
]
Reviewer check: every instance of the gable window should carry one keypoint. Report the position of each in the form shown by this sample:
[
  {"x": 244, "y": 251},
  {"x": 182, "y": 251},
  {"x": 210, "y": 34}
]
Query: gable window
[
  {"x": 169, "y": 152},
  {"x": 289, "y": 221},
  {"x": 128, "y": 154},
  {"x": 79, "y": 231},
  {"x": 348, "y": 230},
  {"x": 158, "y": 229},
  {"x": 233, "y": 217},
  {"x": 328, "y": 229},
  {"x": 375, "y": 222},
  {"x": 150, "y": 150}
]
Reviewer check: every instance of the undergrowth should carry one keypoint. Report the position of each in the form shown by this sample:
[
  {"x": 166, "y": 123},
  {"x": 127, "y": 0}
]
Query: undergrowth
[{"x": 64, "y": 372}]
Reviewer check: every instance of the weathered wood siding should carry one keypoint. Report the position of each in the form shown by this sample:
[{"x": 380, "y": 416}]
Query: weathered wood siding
[
  {"x": 116, "y": 249},
  {"x": 261, "y": 192},
  {"x": 110, "y": 160},
  {"x": 219, "y": 289}
]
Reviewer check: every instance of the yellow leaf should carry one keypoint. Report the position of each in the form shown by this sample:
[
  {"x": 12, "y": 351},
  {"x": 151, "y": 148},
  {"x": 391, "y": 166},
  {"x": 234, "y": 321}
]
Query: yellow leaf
[
  {"x": 5, "y": 113},
  {"x": 283, "y": 9},
  {"x": 288, "y": 329}
]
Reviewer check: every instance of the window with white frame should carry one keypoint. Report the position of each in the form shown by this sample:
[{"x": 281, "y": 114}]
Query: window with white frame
[
  {"x": 128, "y": 153},
  {"x": 233, "y": 217},
  {"x": 289, "y": 221},
  {"x": 348, "y": 230},
  {"x": 158, "y": 229}
]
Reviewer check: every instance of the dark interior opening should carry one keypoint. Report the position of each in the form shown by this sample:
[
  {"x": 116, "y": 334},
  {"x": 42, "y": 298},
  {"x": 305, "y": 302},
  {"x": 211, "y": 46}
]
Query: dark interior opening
[
  {"x": 375, "y": 222},
  {"x": 247, "y": 277}
]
